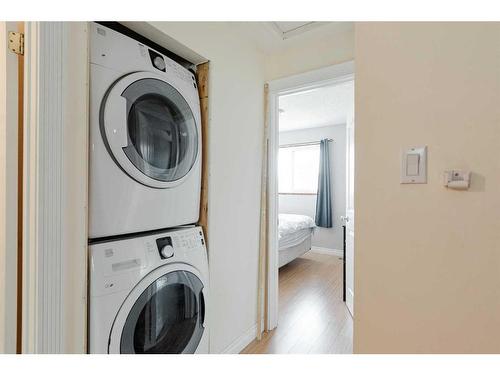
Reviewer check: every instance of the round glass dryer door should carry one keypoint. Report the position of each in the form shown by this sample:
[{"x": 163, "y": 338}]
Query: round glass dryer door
[
  {"x": 167, "y": 318},
  {"x": 150, "y": 130}
]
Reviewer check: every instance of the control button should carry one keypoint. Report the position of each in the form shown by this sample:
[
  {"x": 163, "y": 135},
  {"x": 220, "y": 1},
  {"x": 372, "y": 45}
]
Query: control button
[
  {"x": 157, "y": 60},
  {"x": 167, "y": 251}
]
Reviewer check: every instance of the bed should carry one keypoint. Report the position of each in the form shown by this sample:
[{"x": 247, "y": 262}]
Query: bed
[{"x": 294, "y": 237}]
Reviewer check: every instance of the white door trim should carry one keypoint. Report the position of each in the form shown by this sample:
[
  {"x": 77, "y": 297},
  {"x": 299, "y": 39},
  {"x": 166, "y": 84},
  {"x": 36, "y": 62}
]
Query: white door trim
[
  {"x": 349, "y": 220},
  {"x": 55, "y": 188},
  {"x": 314, "y": 79}
]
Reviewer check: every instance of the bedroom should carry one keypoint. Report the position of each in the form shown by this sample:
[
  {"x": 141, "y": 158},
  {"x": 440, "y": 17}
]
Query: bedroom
[{"x": 311, "y": 203}]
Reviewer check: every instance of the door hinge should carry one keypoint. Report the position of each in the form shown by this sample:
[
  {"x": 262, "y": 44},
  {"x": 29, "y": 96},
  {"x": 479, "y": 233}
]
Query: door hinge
[{"x": 16, "y": 42}]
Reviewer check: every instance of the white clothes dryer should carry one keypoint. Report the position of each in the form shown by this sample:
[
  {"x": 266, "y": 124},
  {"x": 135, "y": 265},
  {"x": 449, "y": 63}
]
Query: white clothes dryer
[
  {"x": 145, "y": 138},
  {"x": 150, "y": 294}
]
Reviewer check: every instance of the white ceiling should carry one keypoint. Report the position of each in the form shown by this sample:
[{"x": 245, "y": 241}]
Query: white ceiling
[
  {"x": 315, "y": 108},
  {"x": 273, "y": 37}
]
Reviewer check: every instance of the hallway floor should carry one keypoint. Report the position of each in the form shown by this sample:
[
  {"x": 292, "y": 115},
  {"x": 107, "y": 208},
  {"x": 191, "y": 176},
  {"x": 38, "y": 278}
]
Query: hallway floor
[{"x": 312, "y": 316}]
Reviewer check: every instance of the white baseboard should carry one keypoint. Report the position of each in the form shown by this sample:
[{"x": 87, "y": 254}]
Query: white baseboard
[
  {"x": 241, "y": 342},
  {"x": 327, "y": 251}
]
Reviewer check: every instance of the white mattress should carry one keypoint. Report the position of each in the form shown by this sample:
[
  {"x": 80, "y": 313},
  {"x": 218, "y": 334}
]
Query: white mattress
[
  {"x": 295, "y": 238},
  {"x": 293, "y": 229},
  {"x": 290, "y": 223}
]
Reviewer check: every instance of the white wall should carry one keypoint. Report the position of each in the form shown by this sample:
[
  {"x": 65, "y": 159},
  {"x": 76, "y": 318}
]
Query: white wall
[
  {"x": 331, "y": 238},
  {"x": 334, "y": 47},
  {"x": 427, "y": 259},
  {"x": 236, "y": 132}
]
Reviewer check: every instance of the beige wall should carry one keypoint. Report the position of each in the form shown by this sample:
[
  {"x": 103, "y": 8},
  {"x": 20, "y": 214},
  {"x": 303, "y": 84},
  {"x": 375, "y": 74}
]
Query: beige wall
[
  {"x": 427, "y": 260},
  {"x": 304, "y": 53},
  {"x": 235, "y": 141}
]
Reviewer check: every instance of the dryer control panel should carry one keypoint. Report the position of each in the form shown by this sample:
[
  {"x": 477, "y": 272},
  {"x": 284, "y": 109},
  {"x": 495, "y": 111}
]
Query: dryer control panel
[{"x": 110, "y": 48}]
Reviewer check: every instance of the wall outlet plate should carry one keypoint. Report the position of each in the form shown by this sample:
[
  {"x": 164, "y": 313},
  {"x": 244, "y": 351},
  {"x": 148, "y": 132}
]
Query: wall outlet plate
[{"x": 457, "y": 179}]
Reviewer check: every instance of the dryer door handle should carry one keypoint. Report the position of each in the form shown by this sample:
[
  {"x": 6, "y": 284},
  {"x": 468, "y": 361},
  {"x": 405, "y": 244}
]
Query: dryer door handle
[{"x": 115, "y": 122}]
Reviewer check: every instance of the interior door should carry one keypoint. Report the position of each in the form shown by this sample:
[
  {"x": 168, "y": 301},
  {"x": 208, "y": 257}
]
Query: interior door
[{"x": 349, "y": 218}]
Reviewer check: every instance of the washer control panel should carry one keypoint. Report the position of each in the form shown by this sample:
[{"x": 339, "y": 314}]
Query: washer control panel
[
  {"x": 177, "y": 244},
  {"x": 116, "y": 266}
]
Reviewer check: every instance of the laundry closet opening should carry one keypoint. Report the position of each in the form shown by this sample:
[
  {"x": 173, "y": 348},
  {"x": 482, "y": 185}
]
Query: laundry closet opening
[{"x": 149, "y": 276}]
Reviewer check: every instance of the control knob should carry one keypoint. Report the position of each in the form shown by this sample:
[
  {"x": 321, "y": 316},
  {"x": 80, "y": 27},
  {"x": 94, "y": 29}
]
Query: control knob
[{"x": 167, "y": 251}]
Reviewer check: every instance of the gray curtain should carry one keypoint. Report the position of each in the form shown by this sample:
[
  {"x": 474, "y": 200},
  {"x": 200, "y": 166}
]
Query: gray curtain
[{"x": 324, "y": 197}]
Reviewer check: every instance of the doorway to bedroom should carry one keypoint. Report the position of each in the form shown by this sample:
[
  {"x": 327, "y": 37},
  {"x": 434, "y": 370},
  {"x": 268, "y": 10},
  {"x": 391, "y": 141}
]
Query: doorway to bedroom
[{"x": 310, "y": 299}]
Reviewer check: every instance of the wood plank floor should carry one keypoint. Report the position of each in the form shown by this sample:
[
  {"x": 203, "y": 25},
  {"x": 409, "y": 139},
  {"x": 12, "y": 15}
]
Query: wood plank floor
[{"x": 312, "y": 316}]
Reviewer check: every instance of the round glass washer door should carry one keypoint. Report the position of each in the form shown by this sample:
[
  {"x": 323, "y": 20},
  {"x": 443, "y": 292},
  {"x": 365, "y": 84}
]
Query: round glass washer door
[
  {"x": 164, "y": 315},
  {"x": 150, "y": 129}
]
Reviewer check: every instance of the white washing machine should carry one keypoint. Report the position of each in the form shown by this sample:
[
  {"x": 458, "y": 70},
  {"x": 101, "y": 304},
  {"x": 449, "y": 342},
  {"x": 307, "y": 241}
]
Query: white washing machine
[
  {"x": 149, "y": 294},
  {"x": 145, "y": 138}
]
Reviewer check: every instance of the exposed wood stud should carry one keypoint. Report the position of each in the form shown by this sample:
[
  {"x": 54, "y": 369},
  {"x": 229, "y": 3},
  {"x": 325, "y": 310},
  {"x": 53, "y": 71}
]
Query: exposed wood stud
[{"x": 202, "y": 83}]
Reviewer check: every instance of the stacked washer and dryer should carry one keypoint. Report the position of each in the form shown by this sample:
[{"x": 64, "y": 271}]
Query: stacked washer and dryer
[{"x": 148, "y": 261}]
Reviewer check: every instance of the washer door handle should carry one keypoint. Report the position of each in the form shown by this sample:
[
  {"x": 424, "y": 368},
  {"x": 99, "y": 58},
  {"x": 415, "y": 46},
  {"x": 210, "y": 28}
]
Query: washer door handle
[{"x": 202, "y": 308}]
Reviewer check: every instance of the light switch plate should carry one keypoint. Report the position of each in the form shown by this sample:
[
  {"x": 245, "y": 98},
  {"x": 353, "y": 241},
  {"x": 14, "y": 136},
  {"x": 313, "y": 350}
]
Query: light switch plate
[{"x": 414, "y": 165}]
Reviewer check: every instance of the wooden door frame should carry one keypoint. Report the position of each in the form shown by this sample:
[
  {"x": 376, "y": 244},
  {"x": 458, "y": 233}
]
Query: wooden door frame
[{"x": 328, "y": 76}]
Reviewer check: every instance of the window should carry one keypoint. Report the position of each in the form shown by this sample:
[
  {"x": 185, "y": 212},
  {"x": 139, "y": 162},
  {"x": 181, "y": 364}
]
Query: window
[{"x": 298, "y": 168}]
